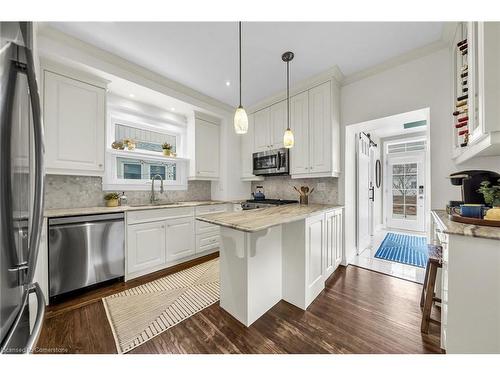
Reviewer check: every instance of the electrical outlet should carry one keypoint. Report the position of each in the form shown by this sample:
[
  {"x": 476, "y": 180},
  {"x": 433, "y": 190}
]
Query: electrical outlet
[{"x": 321, "y": 186}]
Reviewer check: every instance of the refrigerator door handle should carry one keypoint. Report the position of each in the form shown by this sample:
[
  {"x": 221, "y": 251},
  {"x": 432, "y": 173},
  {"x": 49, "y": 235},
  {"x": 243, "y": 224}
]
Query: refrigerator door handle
[
  {"x": 40, "y": 312},
  {"x": 37, "y": 326},
  {"x": 39, "y": 151}
]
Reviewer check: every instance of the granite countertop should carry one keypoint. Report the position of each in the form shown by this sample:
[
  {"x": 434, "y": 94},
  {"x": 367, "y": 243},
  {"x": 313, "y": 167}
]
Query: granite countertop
[
  {"x": 59, "y": 212},
  {"x": 263, "y": 218},
  {"x": 452, "y": 227}
]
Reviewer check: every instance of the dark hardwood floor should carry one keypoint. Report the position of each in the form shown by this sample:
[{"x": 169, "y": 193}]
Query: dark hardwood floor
[{"x": 359, "y": 311}]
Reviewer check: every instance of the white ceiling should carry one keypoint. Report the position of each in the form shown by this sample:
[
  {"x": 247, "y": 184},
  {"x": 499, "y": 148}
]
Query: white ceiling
[{"x": 203, "y": 55}]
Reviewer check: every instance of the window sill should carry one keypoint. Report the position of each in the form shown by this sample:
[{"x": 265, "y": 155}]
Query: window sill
[
  {"x": 144, "y": 155},
  {"x": 139, "y": 186}
]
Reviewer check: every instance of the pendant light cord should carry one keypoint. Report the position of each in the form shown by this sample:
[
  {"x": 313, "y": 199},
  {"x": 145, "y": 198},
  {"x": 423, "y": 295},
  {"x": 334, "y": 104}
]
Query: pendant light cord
[
  {"x": 288, "y": 95},
  {"x": 239, "y": 47}
]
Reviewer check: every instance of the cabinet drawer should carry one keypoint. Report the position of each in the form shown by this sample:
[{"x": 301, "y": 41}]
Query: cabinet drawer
[
  {"x": 202, "y": 227},
  {"x": 205, "y": 242},
  {"x": 211, "y": 209},
  {"x": 158, "y": 214}
]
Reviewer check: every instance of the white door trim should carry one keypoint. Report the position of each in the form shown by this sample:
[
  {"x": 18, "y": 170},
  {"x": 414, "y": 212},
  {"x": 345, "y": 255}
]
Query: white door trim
[{"x": 418, "y": 157}]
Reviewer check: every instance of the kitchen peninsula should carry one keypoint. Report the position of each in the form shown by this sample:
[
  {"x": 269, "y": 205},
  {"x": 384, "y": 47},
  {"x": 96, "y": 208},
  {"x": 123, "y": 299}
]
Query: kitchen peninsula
[{"x": 269, "y": 254}]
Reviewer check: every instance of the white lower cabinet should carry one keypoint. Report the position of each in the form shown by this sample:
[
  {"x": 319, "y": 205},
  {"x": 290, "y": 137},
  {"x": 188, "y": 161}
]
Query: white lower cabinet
[
  {"x": 160, "y": 238},
  {"x": 334, "y": 244},
  {"x": 146, "y": 247},
  {"x": 180, "y": 238},
  {"x": 315, "y": 253}
]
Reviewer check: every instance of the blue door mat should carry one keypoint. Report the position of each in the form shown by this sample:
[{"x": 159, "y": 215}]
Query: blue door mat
[{"x": 403, "y": 248}]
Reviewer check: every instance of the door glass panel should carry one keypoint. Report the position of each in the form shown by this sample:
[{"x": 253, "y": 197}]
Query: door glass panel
[{"x": 404, "y": 191}]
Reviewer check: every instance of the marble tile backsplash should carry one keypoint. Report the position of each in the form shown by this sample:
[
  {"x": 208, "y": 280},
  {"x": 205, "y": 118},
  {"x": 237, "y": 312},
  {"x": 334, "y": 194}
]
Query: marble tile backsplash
[
  {"x": 282, "y": 187},
  {"x": 85, "y": 191}
]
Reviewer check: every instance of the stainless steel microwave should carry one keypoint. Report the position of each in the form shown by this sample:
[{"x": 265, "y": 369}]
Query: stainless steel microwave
[{"x": 272, "y": 162}]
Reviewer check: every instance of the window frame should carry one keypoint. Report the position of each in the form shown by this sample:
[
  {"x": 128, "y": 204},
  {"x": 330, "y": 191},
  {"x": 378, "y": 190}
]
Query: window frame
[{"x": 111, "y": 180}]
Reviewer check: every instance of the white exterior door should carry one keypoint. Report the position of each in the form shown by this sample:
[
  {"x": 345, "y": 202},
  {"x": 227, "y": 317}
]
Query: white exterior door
[
  {"x": 405, "y": 193},
  {"x": 363, "y": 227}
]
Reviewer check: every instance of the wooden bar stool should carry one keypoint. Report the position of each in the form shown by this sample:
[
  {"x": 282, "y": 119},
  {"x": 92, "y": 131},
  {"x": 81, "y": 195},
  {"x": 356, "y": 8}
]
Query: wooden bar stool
[{"x": 428, "y": 295}]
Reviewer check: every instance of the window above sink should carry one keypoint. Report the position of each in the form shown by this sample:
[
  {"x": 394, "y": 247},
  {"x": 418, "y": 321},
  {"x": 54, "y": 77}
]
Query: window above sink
[{"x": 134, "y": 152}]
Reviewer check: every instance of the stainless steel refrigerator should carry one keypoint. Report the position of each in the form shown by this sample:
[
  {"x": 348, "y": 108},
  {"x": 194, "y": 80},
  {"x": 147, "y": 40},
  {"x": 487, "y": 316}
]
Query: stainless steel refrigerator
[{"x": 21, "y": 190}]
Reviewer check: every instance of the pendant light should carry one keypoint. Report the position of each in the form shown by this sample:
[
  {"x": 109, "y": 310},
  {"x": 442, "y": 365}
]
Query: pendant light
[
  {"x": 240, "y": 116},
  {"x": 288, "y": 140}
]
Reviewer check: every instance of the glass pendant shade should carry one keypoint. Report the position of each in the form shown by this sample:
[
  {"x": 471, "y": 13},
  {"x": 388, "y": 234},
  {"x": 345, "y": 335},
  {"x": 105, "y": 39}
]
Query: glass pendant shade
[
  {"x": 241, "y": 121},
  {"x": 288, "y": 140}
]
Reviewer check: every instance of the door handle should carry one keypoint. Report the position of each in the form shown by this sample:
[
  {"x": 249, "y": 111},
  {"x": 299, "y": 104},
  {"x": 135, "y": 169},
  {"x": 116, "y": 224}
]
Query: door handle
[
  {"x": 39, "y": 151},
  {"x": 372, "y": 194}
]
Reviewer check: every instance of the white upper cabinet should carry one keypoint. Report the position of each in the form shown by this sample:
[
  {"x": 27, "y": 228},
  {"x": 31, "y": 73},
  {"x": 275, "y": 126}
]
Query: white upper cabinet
[
  {"x": 207, "y": 150},
  {"x": 247, "y": 150},
  {"x": 481, "y": 88},
  {"x": 262, "y": 135},
  {"x": 320, "y": 128},
  {"x": 270, "y": 124},
  {"x": 74, "y": 118},
  {"x": 299, "y": 121},
  {"x": 315, "y": 123},
  {"x": 278, "y": 124}
]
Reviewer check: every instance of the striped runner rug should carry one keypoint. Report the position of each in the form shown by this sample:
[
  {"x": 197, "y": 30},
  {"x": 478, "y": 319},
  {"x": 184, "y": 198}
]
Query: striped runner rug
[
  {"x": 404, "y": 248},
  {"x": 137, "y": 315}
]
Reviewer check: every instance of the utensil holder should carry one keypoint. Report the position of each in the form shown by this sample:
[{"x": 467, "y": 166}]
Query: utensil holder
[{"x": 304, "y": 199}]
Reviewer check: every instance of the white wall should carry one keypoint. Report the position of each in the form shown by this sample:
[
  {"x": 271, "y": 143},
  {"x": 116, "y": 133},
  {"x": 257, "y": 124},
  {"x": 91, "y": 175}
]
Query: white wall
[{"x": 421, "y": 83}]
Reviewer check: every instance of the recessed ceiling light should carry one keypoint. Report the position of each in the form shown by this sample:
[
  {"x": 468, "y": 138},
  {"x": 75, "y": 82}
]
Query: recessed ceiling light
[
  {"x": 172, "y": 109},
  {"x": 228, "y": 83},
  {"x": 131, "y": 95}
]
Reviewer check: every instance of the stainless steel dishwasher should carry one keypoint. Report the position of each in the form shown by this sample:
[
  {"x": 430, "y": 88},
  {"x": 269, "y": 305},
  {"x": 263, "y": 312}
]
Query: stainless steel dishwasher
[{"x": 85, "y": 250}]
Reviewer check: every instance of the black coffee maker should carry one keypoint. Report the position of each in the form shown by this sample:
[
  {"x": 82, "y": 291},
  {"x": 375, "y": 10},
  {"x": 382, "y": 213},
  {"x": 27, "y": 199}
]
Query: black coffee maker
[{"x": 471, "y": 182}]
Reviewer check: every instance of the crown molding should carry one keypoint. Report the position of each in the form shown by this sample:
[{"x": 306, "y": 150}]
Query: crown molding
[
  {"x": 334, "y": 73},
  {"x": 130, "y": 71},
  {"x": 444, "y": 42},
  {"x": 396, "y": 61}
]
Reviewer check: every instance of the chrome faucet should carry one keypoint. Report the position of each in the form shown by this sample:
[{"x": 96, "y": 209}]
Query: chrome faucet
[{"x": 152, "y": 198}]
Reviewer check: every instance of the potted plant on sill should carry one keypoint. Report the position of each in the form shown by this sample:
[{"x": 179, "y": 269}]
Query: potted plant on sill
[
  {"x": 167, "y": 149},
  {"x": 112, "y": 199},
  {"x": 491, "y": 194}
]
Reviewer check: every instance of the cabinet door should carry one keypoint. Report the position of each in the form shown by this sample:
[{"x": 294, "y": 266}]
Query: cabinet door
[
  {"x": 146, "y": 247},
  {"x": 333, "y": 245},
  {"x": 180, "y": 238},
  {"x": 299, "y": 117},
  {"x": 330, "y": 244},
  {"x": 339, "y": 240},
  {"x": 278, "y": 124},
  {"x": 247, "y": 149},
  {"x": 314, "y": 253},
  {"x": 207, "y": 149},
  {"x": 262, "y": 130},
  {"x": 320, "y": 128},
  {"x": 74, "y": 115}
]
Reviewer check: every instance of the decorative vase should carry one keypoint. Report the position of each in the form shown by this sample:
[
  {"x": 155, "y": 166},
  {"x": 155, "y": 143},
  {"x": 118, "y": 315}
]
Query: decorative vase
[
  {"x": 167, "y": 152},
  {"x": 112, "y": 203},
  {"x": 493, "y": 213}
]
